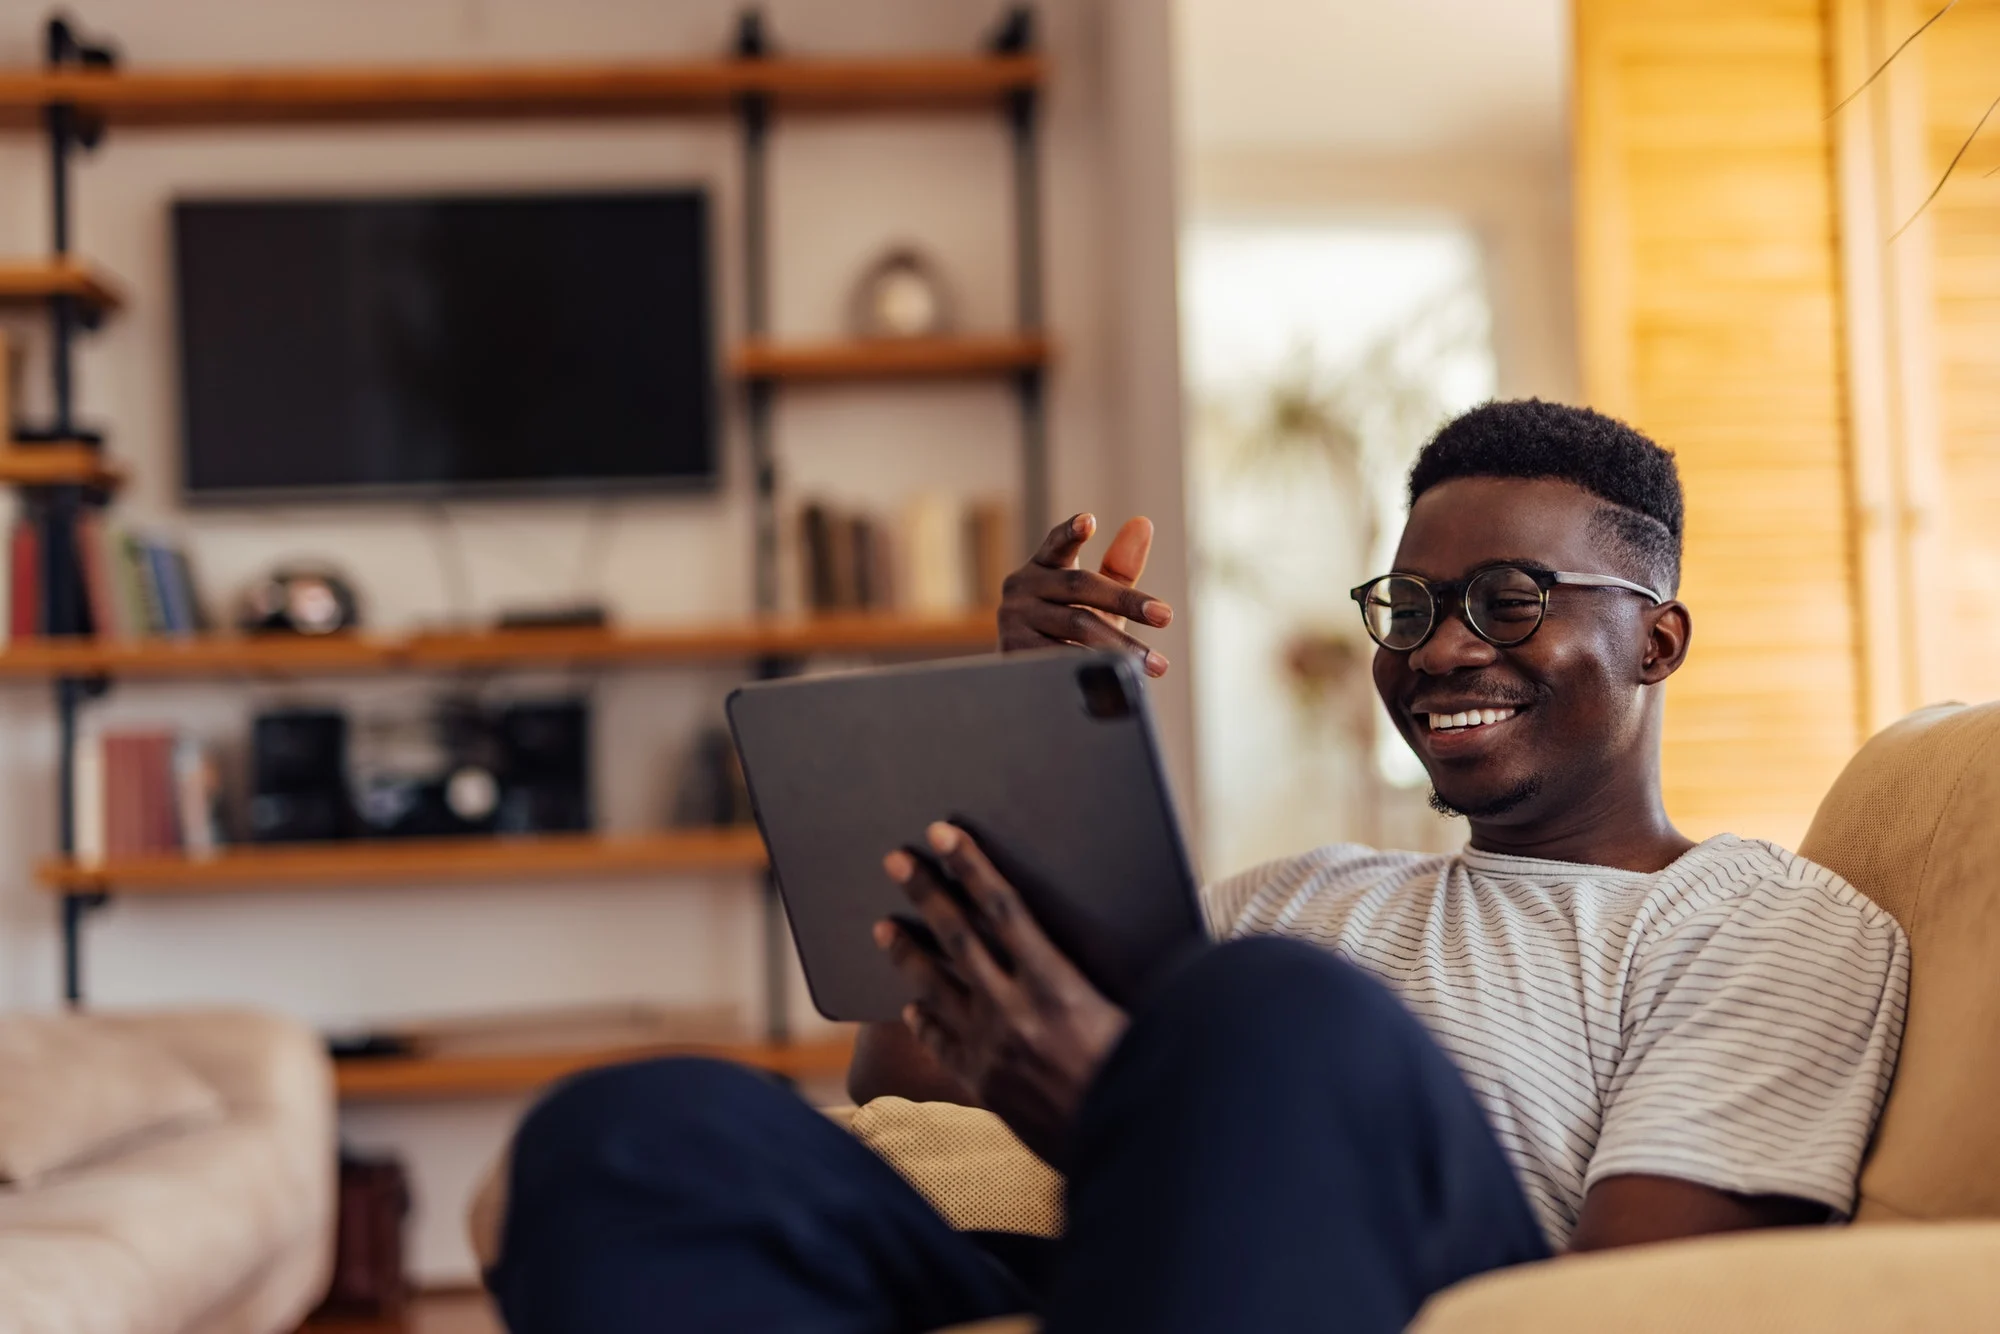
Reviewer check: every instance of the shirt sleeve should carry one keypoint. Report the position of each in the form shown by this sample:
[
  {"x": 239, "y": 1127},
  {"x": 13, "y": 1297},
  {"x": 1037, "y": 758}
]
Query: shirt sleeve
[{"x": 1760, "y": 1036}]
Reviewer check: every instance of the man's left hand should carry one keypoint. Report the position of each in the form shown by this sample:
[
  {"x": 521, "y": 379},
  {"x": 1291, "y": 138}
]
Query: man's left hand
[{"x": 1026, "y": 1034}]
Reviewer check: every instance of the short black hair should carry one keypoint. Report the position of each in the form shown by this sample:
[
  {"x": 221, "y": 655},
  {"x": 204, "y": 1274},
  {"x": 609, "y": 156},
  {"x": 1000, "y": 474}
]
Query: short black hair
[{"x": 1529, "y": 438}]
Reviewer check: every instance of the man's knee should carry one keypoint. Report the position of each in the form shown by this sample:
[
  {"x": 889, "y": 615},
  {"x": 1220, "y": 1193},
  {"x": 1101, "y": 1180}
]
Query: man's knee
[
  {"x": 1268, "y": 1008},
  {"x": 1275, "y": 981},
  {"x": 655, "y": 1104}
]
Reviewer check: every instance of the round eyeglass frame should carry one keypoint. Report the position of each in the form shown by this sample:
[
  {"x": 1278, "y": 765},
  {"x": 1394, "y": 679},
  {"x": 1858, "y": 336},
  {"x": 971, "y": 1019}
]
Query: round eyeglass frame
[{"x": 1451, "y": 593}]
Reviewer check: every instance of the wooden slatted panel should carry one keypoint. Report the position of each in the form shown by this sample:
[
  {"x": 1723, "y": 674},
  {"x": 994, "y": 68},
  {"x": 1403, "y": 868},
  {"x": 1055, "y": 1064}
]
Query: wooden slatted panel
[
  {"x": 1707, "y": 299},
  {"x": 1961, "y": 66}
]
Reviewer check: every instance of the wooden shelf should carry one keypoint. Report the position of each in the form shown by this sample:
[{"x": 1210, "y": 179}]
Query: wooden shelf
[
  {"x": 410, "y": 1078},
  {"x": 891, "y": 358},
  {"x": 193, "y": 97},
  {"x": 275, "y": 867},
  {"x": 40, "y": 279},
  {"x": 58, "y": 463},
  {"x": 288, "y": 655}
]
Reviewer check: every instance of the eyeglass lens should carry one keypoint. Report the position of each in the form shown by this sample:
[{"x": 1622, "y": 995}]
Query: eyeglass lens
[{"x": 1503, "y": 605}]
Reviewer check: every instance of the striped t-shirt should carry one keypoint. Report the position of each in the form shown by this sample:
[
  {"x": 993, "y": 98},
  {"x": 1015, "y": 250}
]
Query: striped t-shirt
[{"x": 1731, "y": 1020}]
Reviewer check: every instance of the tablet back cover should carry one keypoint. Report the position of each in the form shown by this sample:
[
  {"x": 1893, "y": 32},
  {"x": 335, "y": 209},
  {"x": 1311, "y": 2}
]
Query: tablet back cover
[{"x": 1067, "y": 797}]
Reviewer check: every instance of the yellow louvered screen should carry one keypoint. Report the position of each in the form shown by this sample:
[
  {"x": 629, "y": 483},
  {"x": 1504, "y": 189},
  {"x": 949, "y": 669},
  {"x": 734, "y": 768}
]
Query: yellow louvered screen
[
  {"x": 1707, "y": 282},
  {"x": 1960, "y": 59}
]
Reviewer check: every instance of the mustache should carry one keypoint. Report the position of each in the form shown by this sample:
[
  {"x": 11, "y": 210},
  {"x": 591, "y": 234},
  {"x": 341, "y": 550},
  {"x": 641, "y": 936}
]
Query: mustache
[{"x": 1474, "y": 695}]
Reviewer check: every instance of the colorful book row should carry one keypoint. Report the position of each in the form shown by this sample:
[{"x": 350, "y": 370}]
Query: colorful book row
[{"x": 123, "y": 585}]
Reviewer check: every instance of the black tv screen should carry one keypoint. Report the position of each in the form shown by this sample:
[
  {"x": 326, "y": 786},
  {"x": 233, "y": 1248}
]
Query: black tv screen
[{"x": 444, "y": 346}]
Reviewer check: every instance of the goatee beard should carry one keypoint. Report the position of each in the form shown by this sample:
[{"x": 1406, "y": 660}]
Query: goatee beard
[{"x": 1526, "y": 790}]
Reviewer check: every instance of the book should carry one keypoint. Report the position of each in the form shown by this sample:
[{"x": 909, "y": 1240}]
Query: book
[
  {"x": 197, "y": 793},
  {"x": 991, "y": 550},
  {"x": 141, "y": 813},
  {"x": 933, "y": 575},
  {"x": 138, "y": 567},
  {"x": 99, "y": 590},
  {"x": 88, "y": 801},
  {"x": 24, "y": 580}
]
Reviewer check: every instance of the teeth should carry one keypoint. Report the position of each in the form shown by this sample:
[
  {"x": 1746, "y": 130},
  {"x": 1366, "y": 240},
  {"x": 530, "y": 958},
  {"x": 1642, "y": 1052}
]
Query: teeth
[{"x": 1445, "y": 722}]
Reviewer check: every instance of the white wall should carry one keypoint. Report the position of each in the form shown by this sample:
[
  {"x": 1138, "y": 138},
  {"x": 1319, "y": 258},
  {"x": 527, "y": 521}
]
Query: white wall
[{"x": 841, "y": 191}]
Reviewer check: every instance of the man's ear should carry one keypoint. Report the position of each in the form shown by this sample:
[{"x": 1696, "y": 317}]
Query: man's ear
[{"x": 1669, "y": 627}]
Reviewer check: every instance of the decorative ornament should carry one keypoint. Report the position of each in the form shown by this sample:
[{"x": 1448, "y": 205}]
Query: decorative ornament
[{"x": 901, "y": 295}]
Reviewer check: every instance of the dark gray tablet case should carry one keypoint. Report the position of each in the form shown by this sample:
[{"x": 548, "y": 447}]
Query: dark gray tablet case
[{"x": 1048, "y": 758}]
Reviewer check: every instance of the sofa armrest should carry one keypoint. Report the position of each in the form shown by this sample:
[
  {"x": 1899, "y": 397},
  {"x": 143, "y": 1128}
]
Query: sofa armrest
[
  {"x": 1888, "y": 1278},
  {"x": 256, "y": 1061}
]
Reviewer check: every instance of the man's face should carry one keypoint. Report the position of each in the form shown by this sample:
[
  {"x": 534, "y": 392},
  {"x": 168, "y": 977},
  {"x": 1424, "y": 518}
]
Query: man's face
[{"x": 1576, "y": 685}]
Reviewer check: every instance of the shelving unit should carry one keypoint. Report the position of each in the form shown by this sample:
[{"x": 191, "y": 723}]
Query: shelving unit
[
  {"x": 284, "y": 655},
  {"x": 80, "y": 95},
  {"x": 24, "y": 281},
  {"x": 277, "y": 867},
  {"x": 428, "y": 1078}
]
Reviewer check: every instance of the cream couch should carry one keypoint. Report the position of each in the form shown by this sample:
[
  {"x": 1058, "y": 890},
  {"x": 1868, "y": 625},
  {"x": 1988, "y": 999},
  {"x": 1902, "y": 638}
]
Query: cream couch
[
  {"x": 167, "y": 1173},
  {"x": 1913, "y": 822}
]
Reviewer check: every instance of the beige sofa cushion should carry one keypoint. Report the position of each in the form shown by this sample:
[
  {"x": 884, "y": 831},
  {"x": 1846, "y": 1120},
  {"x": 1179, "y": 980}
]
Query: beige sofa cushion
[
  {"x": 1931, "y": 1279},
  {"x": 71, "y": 1090},
  {"x": 1911, "y": 822},
  {"x": 194, "y": 1218}
]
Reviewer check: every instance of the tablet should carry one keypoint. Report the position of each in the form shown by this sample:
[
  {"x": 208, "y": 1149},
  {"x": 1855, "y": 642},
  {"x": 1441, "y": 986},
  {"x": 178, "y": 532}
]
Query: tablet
[{"x": 1048, "y": 759}]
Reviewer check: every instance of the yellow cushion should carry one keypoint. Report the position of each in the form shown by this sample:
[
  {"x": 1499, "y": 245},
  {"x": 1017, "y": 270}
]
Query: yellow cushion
[
  {"x": 1912, "y": 823},
  {"x": 965, "y": 1162}
]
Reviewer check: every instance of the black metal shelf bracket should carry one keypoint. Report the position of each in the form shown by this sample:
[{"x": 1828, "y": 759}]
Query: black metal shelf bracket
[
  {"x": 69, "y": 130},
  {"x": 1016, "y": 36}
]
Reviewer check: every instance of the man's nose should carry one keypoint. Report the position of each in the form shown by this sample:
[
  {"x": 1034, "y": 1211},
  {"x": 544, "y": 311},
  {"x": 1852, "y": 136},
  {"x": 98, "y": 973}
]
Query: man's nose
[{"x": 1452, "y": 647}]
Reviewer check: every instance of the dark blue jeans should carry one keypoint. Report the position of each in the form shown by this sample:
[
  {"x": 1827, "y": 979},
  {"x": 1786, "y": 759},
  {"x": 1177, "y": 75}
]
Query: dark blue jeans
[{"x": 1275, "y": 1145}]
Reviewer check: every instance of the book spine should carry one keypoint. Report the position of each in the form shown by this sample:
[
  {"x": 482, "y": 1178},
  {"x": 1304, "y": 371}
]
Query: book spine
[
  {"x": 160, "y": 576},
  {"x": 152, "y": 615},
  {"x": 24, "y": 615},
  {"x": 123, "y": 819},
  {"x": 195, "y": 790},
  {"x": 88, "y": 800},
  {"x": 93, "y": 561}
]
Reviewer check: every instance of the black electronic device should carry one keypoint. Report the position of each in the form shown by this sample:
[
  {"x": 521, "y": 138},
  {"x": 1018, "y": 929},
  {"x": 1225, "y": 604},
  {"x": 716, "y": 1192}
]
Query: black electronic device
[
  {"x": 298, "y": 776},
  {"x": 544, "y": 766},
  {"x": 1048, "y": 759},
  {"x": 448, "y": 345}
]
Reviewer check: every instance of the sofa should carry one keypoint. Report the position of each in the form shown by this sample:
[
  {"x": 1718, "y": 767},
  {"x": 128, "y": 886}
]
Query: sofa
[
  {"x": 163, "y": 1173},
  {"x": 1914, "y": 823}
]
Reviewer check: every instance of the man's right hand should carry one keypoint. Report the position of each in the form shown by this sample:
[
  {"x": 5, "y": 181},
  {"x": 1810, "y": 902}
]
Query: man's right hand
[{"x": 1050, "y": 601}]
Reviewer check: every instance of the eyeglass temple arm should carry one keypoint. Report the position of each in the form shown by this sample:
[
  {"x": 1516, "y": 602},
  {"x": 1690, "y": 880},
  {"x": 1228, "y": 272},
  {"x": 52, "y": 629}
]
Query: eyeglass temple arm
[{"x": 1605, "y": 581}]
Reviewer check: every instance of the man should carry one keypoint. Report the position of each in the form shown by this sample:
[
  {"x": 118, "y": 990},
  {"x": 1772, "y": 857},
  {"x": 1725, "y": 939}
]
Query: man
[{"x": 1619, "y": 1035}]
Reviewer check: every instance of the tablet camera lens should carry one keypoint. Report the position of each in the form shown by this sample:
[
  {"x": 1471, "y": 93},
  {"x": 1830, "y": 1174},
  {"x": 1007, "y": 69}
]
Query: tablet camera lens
[{"x": 1104, "y": 696}]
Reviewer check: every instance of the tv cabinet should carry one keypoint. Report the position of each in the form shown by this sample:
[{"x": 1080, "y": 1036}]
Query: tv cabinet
[{"x": 82, "y": 94}]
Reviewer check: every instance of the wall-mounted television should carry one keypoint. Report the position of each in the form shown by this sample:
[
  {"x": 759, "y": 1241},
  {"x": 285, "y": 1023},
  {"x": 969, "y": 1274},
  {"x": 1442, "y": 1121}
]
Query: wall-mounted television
[{"x": 431, "y": 347}]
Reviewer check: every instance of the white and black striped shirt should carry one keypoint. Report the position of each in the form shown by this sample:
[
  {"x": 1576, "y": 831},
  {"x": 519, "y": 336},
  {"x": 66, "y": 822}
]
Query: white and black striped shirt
[{"x": 1731, "y": 1020}]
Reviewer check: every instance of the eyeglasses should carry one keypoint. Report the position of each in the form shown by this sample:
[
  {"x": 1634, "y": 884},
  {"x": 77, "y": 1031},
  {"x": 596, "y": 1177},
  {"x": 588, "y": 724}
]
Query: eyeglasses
[{"x": 1502, "y": 604}]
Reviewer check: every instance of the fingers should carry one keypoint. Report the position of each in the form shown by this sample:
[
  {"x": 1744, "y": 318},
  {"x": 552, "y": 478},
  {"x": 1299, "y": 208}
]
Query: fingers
[
  {"x": 1125, "y": 559},
  {"x": 1007, "y": 917},
  {"x": 1052, "y": 623},
  {"x": 967, "y": 953},
  {"x": 1061, "y": 547},
  {"x": 1084, "y": 588}
]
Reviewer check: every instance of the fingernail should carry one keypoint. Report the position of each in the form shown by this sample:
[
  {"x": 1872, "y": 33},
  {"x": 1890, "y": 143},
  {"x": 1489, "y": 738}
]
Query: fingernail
[
  {"x": 1156, "y": 665},
  {"x": 899, "y": 866},
  {"x": 1157, "y": 613},
  {"x": 884, "y": 934},
  {"x": 943, "y": 837},
  {"x": 1082, "y": 524},
  {"x": 910, "y": 1014}
]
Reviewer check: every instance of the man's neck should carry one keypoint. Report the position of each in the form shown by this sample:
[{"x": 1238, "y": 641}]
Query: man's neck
[{"x": 1628, "y": 830}]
